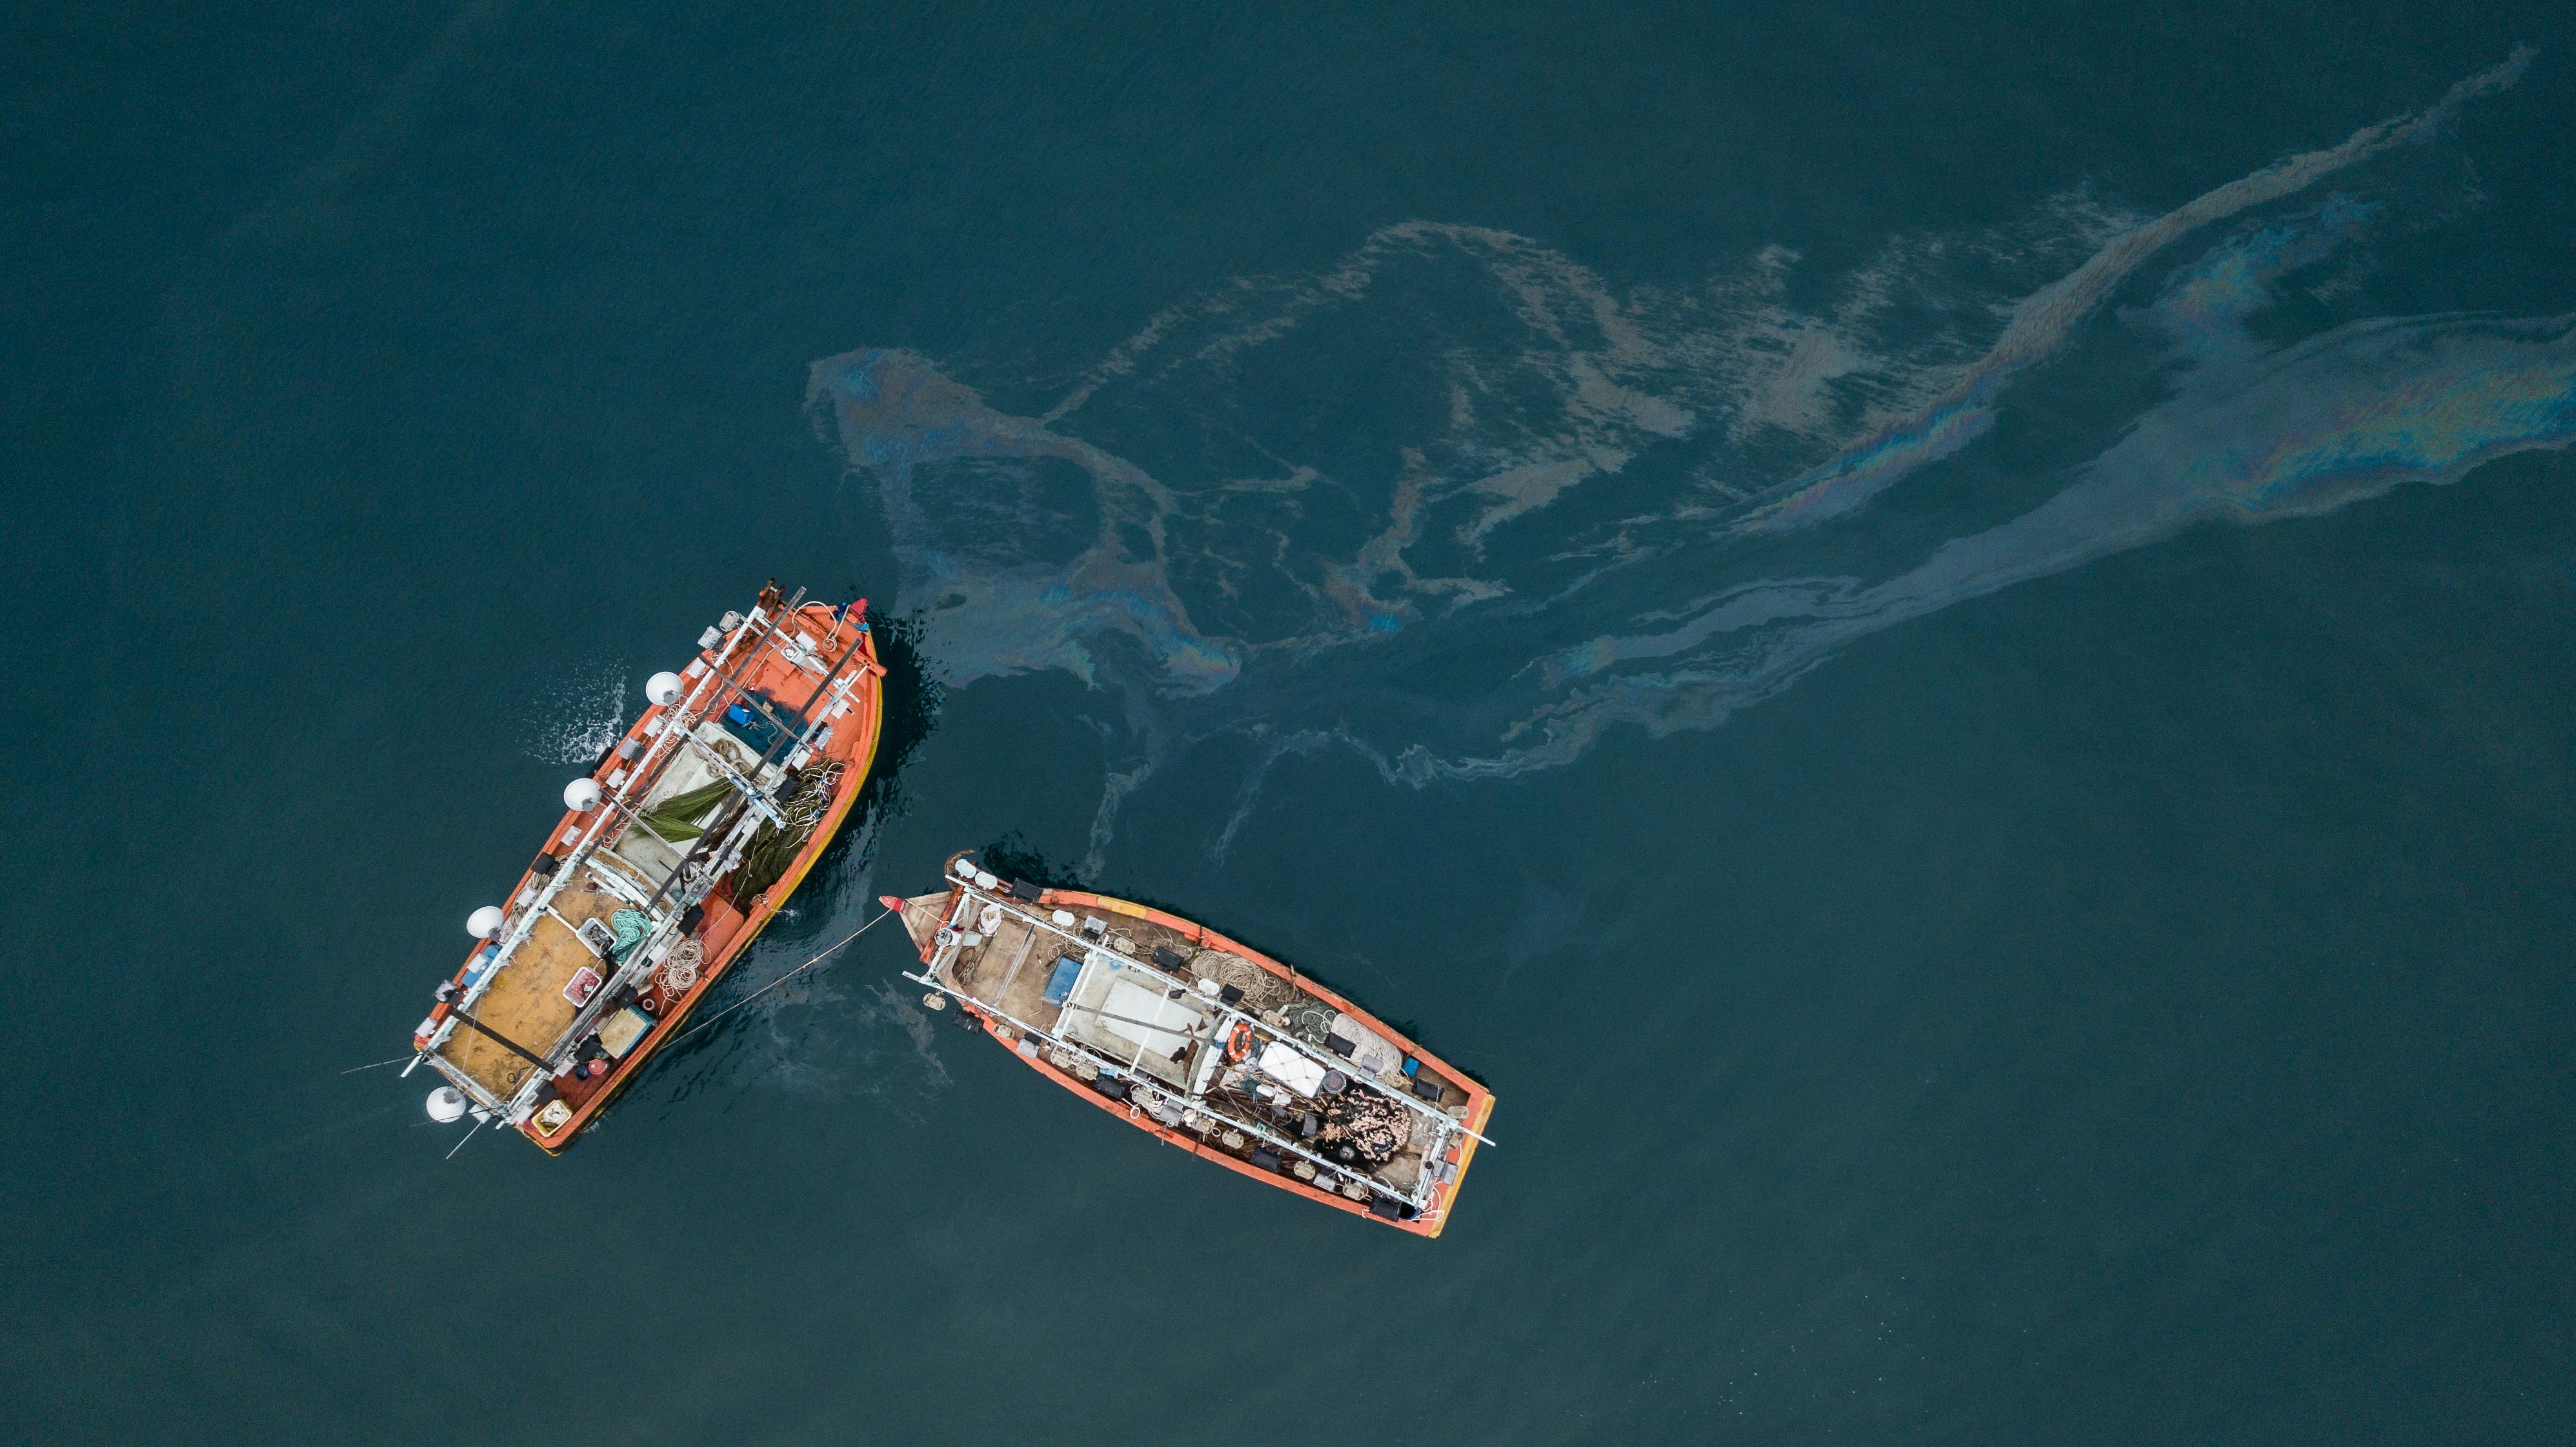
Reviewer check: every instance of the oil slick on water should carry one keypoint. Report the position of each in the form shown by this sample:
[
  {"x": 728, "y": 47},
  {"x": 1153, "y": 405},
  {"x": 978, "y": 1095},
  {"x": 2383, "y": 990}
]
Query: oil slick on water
[{"x": 1457, "y": 504}]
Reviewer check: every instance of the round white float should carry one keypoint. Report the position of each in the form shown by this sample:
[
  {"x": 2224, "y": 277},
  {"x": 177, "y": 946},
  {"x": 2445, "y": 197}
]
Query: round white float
[
  {"x": 663, "y": 688},
  {"x": 447, "y": 1105},
  {"x": 485, "y": 922},
  {"x": 581, "y": 795}
]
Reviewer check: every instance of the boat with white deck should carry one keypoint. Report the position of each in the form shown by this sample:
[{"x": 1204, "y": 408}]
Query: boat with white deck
[{"x": 1203, "y": 1042}]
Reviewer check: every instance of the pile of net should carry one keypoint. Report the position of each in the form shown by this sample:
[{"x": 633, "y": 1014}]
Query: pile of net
[
  {"x": 1309, "y": 1020},
  {"x": 1364, "y": 1127},
  {"x": 775, "y": 846},
  {"x": 683, "y": 817},
  {"x": 1261, "y": 989},
  {"x": 631, "y": 926}
]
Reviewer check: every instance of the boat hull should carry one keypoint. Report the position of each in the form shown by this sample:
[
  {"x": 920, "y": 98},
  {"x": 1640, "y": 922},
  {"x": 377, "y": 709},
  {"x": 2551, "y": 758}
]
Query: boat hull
[
  {"x": 1478, "y": 1110},
  {"x": 785, "y": 665},
  {"x": 858, "y": 760}
]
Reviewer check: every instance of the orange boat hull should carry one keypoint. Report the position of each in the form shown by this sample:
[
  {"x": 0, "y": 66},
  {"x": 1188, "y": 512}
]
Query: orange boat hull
[
  {"x": 730, "y": 926},
  {"x": 729, "y": 938},
  {"x": 1480, "y": 1107}
]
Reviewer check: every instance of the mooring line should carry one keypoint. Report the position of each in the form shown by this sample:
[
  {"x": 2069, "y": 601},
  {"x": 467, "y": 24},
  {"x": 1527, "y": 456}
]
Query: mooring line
[
  {"x": 379, "y": 1065},
  {"x": 783, "y": 979}
]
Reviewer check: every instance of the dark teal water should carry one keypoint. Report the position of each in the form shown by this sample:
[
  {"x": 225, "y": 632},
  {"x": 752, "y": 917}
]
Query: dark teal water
[{"x": 1938, "y": 638}]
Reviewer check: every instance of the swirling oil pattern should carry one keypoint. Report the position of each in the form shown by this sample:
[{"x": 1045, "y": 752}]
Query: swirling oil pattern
[{"x": 1648, "y": 505}]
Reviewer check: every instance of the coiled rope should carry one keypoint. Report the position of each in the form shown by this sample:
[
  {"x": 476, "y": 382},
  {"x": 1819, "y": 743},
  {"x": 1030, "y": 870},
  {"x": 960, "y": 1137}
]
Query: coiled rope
[{"x": 680, "y": 968}]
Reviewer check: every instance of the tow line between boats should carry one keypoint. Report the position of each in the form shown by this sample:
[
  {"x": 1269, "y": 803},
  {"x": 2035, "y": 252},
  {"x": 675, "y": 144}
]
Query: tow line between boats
[{"x": 783, "y": 979}]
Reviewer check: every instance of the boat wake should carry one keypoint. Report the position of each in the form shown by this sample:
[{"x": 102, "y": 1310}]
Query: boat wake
[
  {"x": 1456, "y": 505},
  {"x": 576, "y": 720}
]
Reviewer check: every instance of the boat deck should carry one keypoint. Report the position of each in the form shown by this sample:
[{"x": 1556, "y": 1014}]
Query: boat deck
[
  {"x": 783, "y": 695},
  {"x": 526, "y": 1001},
  {"x": 1008, "y": 973}
]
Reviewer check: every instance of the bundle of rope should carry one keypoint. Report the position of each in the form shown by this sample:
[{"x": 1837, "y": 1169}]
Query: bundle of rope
[
  {"x": 631, "y": 925},
  {"x": 680, "y": 968},
  {"x": 1309, "y": 1020}
]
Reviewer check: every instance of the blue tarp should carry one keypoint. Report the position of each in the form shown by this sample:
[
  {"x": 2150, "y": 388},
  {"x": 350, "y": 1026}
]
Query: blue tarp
[{"x": 1060, "y": 984}]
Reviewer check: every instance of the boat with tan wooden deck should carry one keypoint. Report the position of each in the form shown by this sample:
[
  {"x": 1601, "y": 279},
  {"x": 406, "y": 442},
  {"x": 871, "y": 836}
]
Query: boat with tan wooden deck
[
  {"x": 686, "y": 839},
  {"x": 1203, "y": 1042}
]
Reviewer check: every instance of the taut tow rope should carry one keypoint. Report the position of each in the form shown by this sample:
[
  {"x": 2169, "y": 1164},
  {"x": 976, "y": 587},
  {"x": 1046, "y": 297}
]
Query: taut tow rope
[
  {"x": 381, "y": 1064},
  {"x": 783, "y": 979}
]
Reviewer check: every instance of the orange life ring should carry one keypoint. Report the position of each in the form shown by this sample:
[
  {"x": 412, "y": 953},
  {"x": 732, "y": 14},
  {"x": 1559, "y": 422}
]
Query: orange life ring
[{"x": 1238, "y": 1046}]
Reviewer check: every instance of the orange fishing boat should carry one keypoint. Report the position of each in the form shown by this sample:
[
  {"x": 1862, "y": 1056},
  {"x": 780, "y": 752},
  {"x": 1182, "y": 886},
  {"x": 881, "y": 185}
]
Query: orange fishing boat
[
  {"x": 687, "y": 837},
  {"x": 1203, "y": 1042}
]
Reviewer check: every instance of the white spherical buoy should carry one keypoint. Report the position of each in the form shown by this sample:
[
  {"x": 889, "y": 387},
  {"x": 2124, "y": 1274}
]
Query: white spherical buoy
[
  {"x": 447, "y": 1105},
  {"x": 663, "y": 688},
  {"x": 581, "y": 795},
  {"x": 485, "y": 922}
]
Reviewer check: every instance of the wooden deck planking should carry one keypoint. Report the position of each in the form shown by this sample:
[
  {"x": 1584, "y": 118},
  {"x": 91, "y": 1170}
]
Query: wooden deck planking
[
  {"x": 526, "y": 1001},
  {"x": 1024, "y": 988}
]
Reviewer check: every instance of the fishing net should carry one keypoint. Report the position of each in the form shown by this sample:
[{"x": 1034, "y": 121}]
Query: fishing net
[
  {"x": 775, "y": 846},
  {"x": 1369, "y": 1126},
  {"x": 1310, "y": 1020},
  {"x": 683, "y": 817},
  {"x": 1261, "y": 989}
]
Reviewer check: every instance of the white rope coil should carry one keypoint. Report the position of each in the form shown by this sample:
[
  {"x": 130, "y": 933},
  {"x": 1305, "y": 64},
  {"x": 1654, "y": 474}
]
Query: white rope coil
[{"x": 680, "y": 969}]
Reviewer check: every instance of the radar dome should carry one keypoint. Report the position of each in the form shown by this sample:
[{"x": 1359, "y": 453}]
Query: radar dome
[
  {"x": 663, "y": 688},
  {"x": 447, "y": 1105},
  {"x": 581, "y": 795},
  {"x": 485, "y": 922}
]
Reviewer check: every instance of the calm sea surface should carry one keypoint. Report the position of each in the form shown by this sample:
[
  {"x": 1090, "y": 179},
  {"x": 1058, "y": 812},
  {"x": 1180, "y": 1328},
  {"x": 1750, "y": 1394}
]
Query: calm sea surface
[{"x": 1938, "y": 638}]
